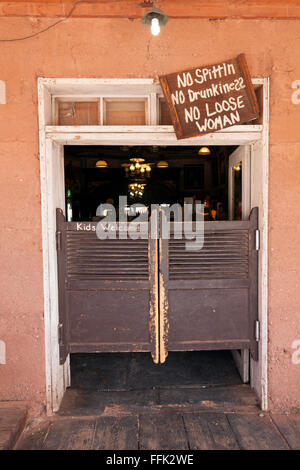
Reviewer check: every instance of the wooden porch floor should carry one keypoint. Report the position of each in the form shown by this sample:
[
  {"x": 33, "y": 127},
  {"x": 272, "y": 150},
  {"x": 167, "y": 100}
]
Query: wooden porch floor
[{"x": 194, "y": 401}]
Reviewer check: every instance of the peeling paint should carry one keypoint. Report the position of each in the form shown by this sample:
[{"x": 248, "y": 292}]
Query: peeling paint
[
  {"x": 164, "y": 319},
  {"x": 153, "y": 308},
  {"x": 163, "y": 295}
]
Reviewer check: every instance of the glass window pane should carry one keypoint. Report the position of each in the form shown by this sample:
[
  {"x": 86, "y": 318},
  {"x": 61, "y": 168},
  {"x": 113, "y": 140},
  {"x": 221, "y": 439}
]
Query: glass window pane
[
  {"x": 164, "y": 115},
  {"x": 124, "y": 112},
  {"x": 80, "y": 113}
]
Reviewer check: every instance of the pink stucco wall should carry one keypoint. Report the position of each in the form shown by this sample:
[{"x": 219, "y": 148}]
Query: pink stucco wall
[{"x": 94, "y": 47}]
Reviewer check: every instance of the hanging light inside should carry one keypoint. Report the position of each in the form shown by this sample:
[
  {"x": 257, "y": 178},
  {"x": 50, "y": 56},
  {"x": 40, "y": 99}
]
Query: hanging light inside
[
  {"x": 136, "y": 189},
  {"x": 155, "y": 19},
  {"x": 204, "y": 151},
  {"x": 162, "y": 164},
  {"x": 101, "y": 164},
  {"x": 137, "y": 167}
]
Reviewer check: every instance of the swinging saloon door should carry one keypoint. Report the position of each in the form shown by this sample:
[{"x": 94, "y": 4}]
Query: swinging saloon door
[
  {"x": 153, "y": 295},
  {"x": 107, "y": 291},
  {"x": 208, "y": 298}
]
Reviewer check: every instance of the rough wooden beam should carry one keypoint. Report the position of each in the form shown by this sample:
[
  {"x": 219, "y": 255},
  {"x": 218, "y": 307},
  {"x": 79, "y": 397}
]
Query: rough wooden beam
[{"x": 214, "y": 9}]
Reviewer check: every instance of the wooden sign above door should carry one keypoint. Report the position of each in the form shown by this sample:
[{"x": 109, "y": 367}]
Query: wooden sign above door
[{"x": 211, "y": 98}]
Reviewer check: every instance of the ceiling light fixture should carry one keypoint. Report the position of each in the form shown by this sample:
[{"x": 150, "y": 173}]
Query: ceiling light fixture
[
  {"x": 101, "y": 164},
  {"x": 155, "y": 19},
  {"x": 137, "y": 167},
  {"x": 204, "y": 151},
  {"x": 162, "y": 164}
]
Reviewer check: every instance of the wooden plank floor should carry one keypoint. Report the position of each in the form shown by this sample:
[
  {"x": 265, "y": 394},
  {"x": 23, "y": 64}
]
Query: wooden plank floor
[
  {"x": 12, "y": 421},
  {"x": 167, "y": 429},
  {"x": 194, "y": 401}
]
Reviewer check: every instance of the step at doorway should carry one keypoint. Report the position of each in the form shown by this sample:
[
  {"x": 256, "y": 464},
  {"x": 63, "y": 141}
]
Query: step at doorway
[{"x": 131, "y": 381}]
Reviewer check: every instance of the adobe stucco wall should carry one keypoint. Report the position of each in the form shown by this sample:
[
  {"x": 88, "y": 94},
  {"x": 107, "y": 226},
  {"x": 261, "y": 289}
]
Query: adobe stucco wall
[{"x": 124, "y": 48}]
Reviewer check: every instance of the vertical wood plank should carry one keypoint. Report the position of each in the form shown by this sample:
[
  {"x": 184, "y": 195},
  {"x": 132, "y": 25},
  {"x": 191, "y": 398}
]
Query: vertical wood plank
[
  {"x": 81, "y": 436},
  {"x": 164, "y": 431},
  {"x": 116, "y": 433},
  {"x": 153, "y": 278},
  {"x": 70, "y": 435},
  {"x": 256, "y": 433},
  {"x": 163, "y": 290},
  {"x": 289, "y": 426},
  {"x": 61, "y": 273},
  {"x": 209, "y": 431},
  {"x": 253, "y": 279}
]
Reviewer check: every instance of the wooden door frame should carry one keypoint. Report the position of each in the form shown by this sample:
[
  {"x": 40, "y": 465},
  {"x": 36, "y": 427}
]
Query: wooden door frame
[
  {"x": 246, "y": 188},
  {"x": 242, "y": 357},
  {"x": 52, "y": 140}
]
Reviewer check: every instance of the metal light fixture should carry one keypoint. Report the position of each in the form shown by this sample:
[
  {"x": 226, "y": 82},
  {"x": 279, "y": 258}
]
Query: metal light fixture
[
  {"x": 137, "y": 168},
  {"x": 155, "y": 19},
  {"x": 101, "y": 164},
  {"x": 237, "y": 167},
  {"x": 162, "y": 164},
  {"x": 204, "y": 151},
  {"x": 136, "y": 190}
]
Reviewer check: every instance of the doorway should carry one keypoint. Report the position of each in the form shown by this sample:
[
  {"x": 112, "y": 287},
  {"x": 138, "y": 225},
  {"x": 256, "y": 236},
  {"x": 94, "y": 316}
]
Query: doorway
[
  {"x": 52, "y": 140},
  {"x": 111, "y": 299}
]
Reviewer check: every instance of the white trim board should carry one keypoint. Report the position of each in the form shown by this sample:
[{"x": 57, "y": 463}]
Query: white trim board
[{"x": 53, "y": 138}]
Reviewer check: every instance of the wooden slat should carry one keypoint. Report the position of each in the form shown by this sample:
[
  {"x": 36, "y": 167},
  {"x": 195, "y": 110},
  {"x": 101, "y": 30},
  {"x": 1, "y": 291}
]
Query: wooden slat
[
  {"x": 61, "y": 275},
  {"x": 112, "y": 284},
  {"x": 87, "y": 257},
  {"x": 289, "y": 426},
  {"x": 164, "y": 431},
  {"x": 84, "y": 347},
  {"x": 224, "y": 255},
  {"x": 116, "y": 433},
  {"x": 209, "y": 431},
  {"x": 256, "y": 433},
  {"x": 70, "y": 434}
]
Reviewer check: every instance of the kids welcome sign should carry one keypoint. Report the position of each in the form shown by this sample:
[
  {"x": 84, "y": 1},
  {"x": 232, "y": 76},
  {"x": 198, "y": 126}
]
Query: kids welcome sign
[{"x": 211, "y": 98}]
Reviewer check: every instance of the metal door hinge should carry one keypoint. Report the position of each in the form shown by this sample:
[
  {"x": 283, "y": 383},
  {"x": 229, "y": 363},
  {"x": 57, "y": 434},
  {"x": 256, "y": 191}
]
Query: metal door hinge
[
  {"x": 257, "y": 240},
  {"x": 257, "y": 330},
  {"x": 60, "y": 332},
  {"x": 58, "y": 240}
]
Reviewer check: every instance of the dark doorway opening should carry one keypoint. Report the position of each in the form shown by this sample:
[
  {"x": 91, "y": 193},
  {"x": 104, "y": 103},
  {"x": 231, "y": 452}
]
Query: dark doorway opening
[
  {"x": 131, "y": 383},
  {"x": 172, "y": 174},
  {"x": 136, "y": 371},
  {"x": 147, "y": 175}
]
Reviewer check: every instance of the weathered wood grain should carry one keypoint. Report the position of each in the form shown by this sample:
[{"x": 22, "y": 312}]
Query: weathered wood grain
[
  {"x": 289, "y": 426},
  {"x": 164, "y": 431},
  {"x": 209, "y": 431},
  {"x": 116, "y": 433},
  {"x": 70, "y": 434},
  {"x": 256, "y": 433}
]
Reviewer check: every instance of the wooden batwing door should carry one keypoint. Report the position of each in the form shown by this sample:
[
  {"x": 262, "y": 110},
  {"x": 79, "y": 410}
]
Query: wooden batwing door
[
  {"x": 208, "y": 298},
  {"x": 108, "y": 291},
  {"x": 153, "y": 295}
]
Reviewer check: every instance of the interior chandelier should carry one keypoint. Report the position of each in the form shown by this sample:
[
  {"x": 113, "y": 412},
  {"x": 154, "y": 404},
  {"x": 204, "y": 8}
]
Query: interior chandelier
[
  {"x": 136, "y": 189},
  {"x": 137, "y": 168}
]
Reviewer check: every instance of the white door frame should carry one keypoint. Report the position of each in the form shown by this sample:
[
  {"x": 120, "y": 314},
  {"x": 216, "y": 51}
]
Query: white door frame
[
  {"x": 236, "y": 157},
  {"x": 52, "y": 140}
]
